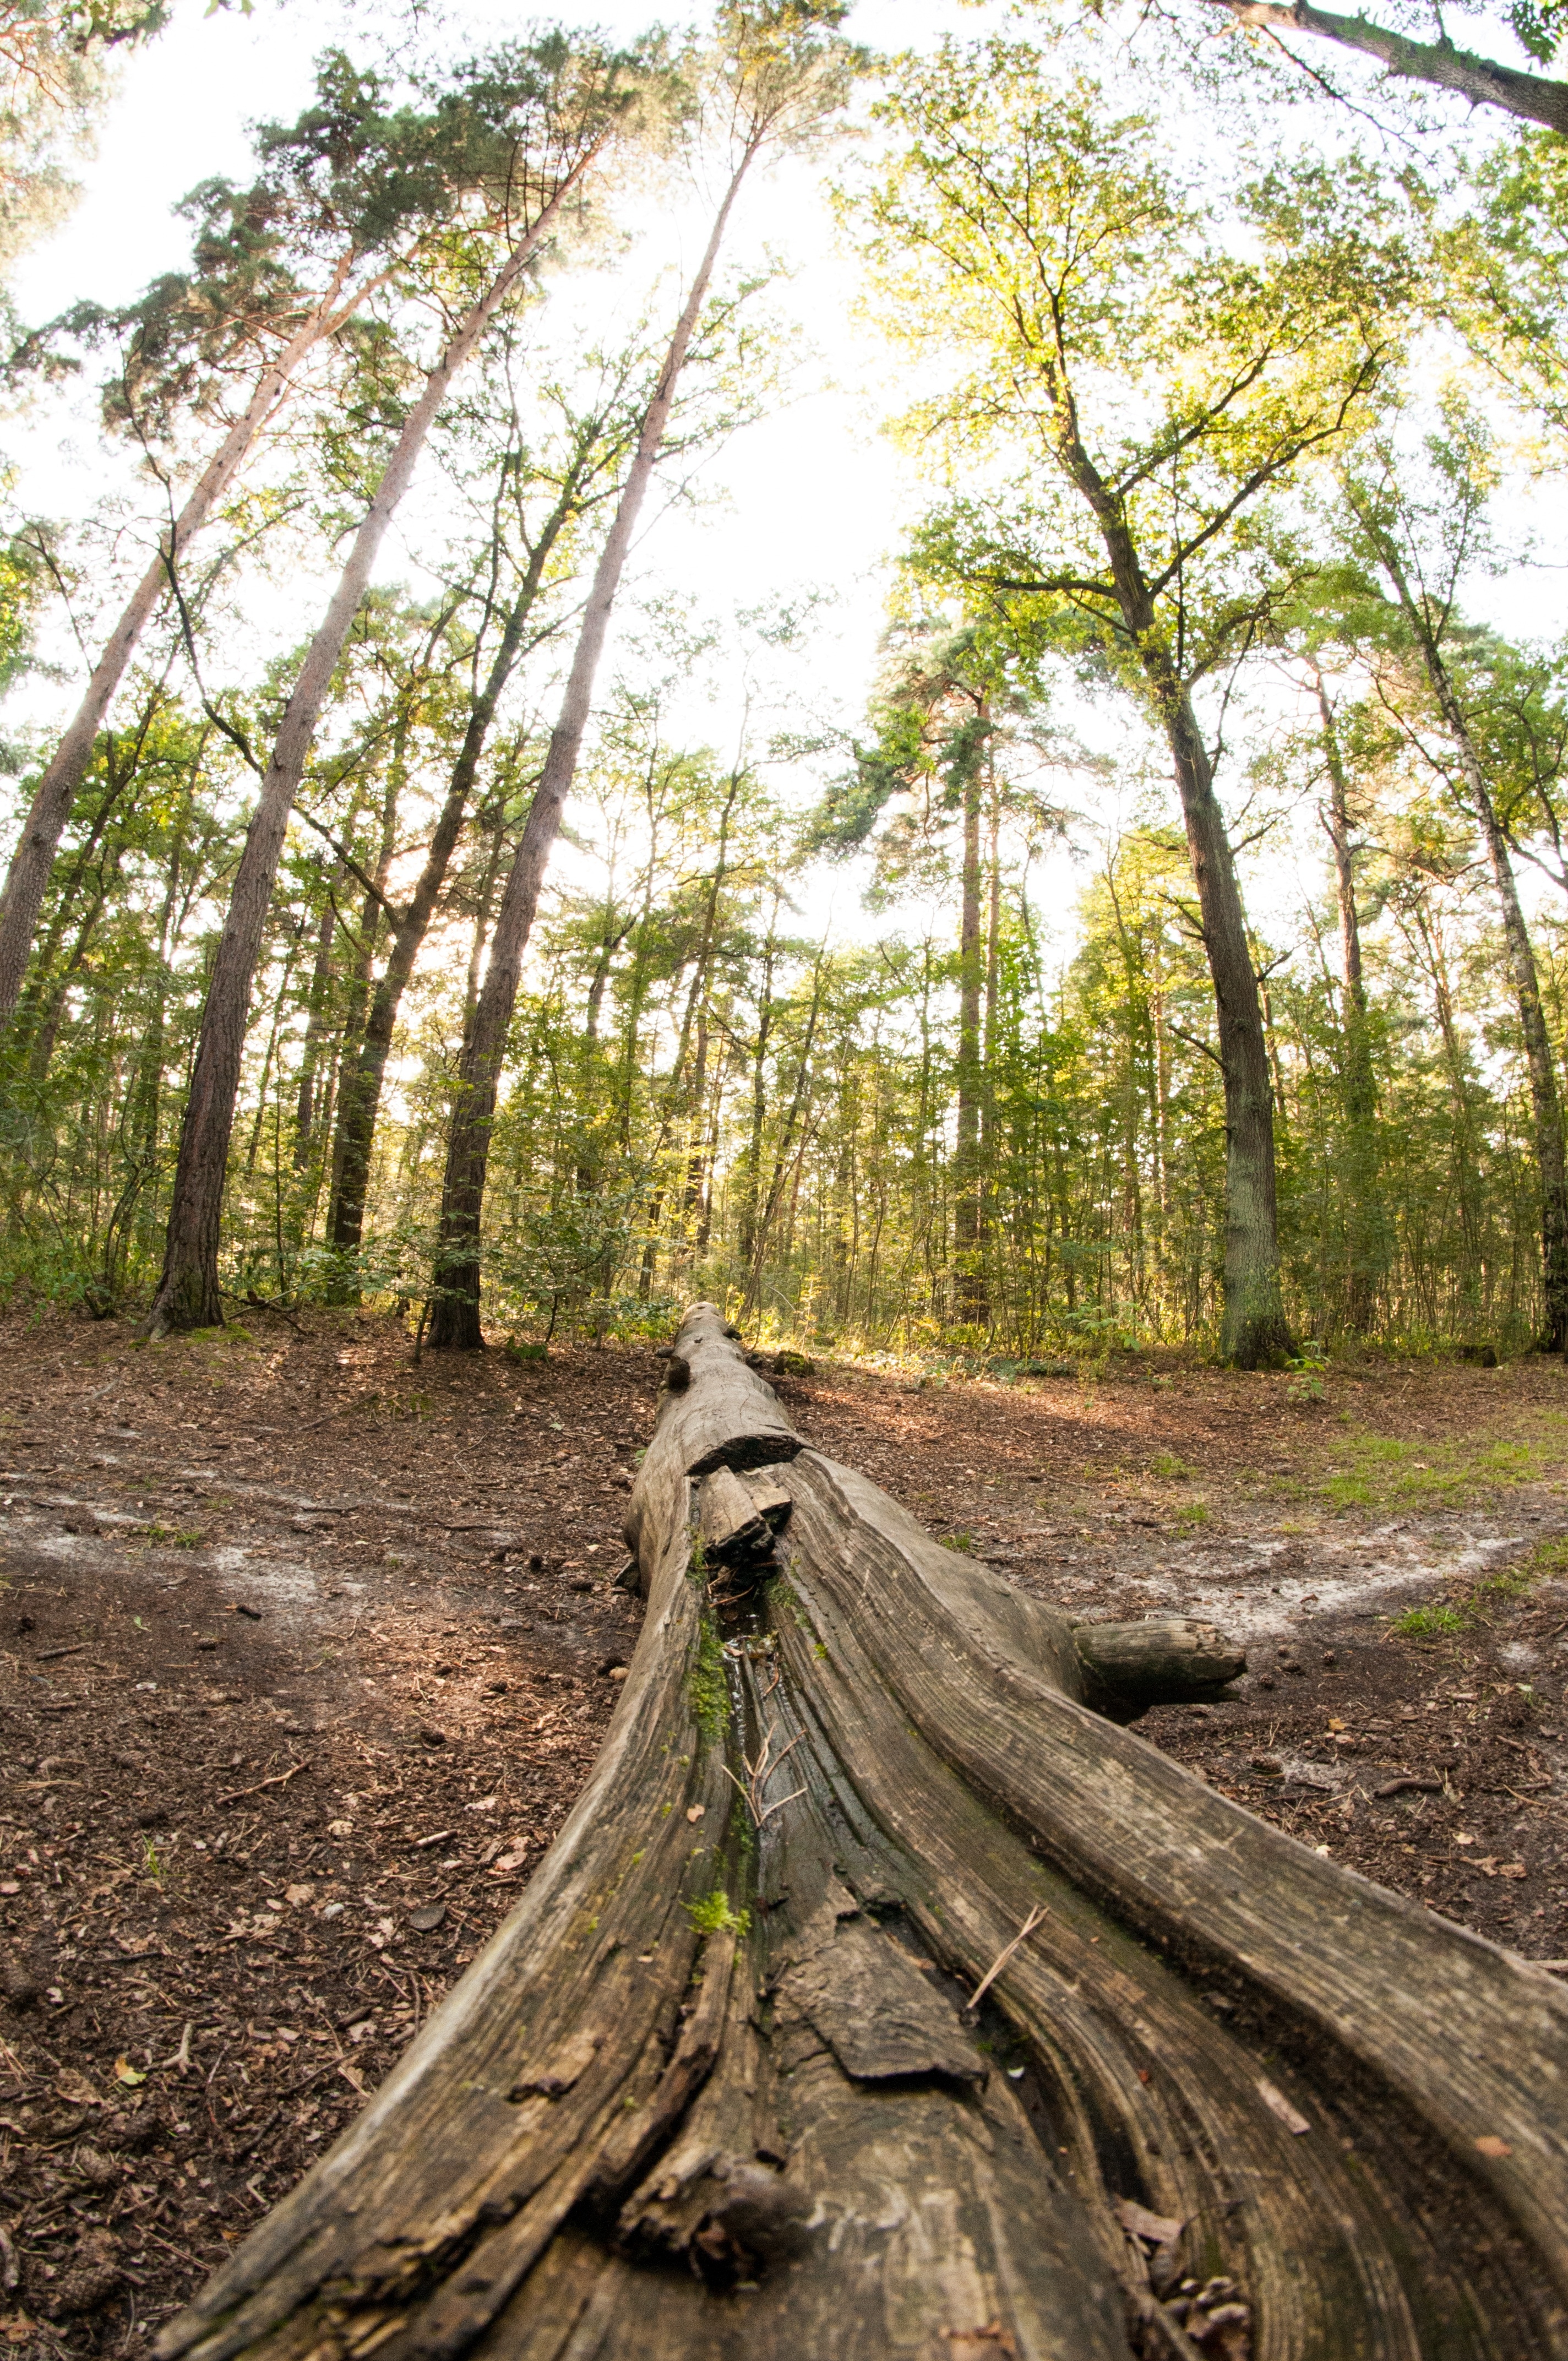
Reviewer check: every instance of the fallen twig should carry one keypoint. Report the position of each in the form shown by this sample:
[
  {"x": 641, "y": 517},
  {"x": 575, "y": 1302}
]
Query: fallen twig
[
  {"x": 279, "y": 1779},
  {"x": 182, "y": 2057},
  {"x": 1030, "y": 1923},
  {"x": 758, "y": 1774}
]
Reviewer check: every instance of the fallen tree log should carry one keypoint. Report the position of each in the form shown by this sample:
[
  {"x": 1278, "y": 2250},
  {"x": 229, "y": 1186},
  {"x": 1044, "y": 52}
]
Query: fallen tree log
[{"x": 880, "y": 1997}]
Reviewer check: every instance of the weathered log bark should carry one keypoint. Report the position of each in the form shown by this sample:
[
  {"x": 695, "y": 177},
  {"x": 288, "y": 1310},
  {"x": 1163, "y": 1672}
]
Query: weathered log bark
[{"x": 725, "y": 2083}]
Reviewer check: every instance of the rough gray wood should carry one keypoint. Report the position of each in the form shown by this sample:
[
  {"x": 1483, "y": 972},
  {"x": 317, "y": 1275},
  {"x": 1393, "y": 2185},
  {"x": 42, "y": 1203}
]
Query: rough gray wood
[
  {"x": 718, "y": 2087},
  {"x": 731, "y": 1525},
  {"x": 770, "y": 1497},
  {"x": 1164, "y": 1660}
]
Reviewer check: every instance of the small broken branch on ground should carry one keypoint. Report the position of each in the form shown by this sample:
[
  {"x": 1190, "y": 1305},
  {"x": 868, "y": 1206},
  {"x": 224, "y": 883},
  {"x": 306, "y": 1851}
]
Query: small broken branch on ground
[{"x": 279, "y": 1779}]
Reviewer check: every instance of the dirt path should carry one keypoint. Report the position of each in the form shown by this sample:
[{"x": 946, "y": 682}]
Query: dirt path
[{"x": 305, "y": 1651}]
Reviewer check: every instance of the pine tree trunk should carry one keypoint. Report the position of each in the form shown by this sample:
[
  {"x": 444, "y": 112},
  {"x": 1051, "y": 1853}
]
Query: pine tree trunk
[
  {"x": 455, "y": 1305},
  {"x": 359, "y": 1098},
  {"x": 883, "y": 1996},
  {"x": 971, "y": 1306},
  {"x": 1366, "y": 1229},
  {"x": 27, "y": 879},
  {"x": 188, "y": 1294}
]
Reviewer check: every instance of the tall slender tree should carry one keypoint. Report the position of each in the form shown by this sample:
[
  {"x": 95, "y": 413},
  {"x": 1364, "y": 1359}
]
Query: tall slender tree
[
  {"x": 586, "y": 475},
  {"x": 1422, "y": 548},
  {"x": 1165, "y": 387},
  {"x": 279, "y": 269},
  {"x": 567, "y": 108},
  {"x": 777, "y": 78}
]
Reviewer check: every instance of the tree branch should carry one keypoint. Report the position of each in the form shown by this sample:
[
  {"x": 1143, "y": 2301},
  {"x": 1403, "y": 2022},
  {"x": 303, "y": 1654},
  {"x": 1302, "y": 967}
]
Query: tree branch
[
  {"x": 1532, "y": 97},
  {"x": 1194, "y": 1043},
  {"x": 354, "y": 869}
]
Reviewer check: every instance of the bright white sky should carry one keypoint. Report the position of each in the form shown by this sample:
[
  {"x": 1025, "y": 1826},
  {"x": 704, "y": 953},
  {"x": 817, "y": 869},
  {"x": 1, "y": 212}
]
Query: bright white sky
[{"x": 814, "y": 495}]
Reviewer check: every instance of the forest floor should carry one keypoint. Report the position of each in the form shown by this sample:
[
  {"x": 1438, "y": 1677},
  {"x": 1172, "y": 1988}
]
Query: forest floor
[{"x": 305, "y": 1651}]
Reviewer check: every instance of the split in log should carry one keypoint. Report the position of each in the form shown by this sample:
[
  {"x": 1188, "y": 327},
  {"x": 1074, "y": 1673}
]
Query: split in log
[
  {"x": 738, "y": 1517},
  {"x": 732, "y": 1527},
  {"x": 881, "y": 1998}
]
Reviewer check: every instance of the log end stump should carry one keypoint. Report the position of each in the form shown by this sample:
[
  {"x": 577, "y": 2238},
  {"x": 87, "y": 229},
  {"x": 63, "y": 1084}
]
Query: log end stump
[
  {"x": 882, "y": 1996},
  {"x": 1162, "y": 1660}
]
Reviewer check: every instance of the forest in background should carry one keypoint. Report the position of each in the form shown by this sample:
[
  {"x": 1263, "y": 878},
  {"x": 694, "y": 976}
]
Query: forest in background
[{"x": 1197, "y": 970}]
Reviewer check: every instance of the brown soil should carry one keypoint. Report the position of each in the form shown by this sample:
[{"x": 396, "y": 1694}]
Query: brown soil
[{"x": 306, "y": 1650}]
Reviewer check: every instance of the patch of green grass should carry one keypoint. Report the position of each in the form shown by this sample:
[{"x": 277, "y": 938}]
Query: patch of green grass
[
  {"x": 962, "y": 1543},
  {"x": 1463, "y": 1610},
  {"x": 1167, "y": 1463},
  {"x": 1382, "y": 1471},
  {"x": 712, "y": 1914},
  {"x": 1426, "y": 1622},
  {"x": 1193, "y": 1513}
]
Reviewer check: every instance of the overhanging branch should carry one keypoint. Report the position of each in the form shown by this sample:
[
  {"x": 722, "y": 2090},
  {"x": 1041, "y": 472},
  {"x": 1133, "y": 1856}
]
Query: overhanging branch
[{"x": 1532, "y": 98}]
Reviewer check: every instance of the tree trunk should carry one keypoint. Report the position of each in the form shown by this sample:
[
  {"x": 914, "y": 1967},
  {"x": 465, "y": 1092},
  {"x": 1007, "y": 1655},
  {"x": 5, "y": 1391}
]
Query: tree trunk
[
  {"x": 750, "y": 1186},
  {"x": 865, "y": 2006},
  {"x": 1546, "y": 1104},
  {"x": 971, "y": 1306},
  {"x": 1253, "y": 1333},
  {"x": 188, "y": 1294},
  {"x": 1550, "y": 1163},
  {"x": 357, "y": 982},
  {"x": 1365, "y": 1223},
  {"x": 28, "y": 878},
  {"x": 359, "y": 1098},
  {"x": 455, "y": 1305},
  {"x": 306, "y": 1104}
]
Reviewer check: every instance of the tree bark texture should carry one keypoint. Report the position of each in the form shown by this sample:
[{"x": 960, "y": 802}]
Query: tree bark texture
[
  {"x": 27, "y": 879},
  {"x": 880, "y": 1998},
  {"x": 454, "y": 1306},
  {"x": 1532, "y": 98},
  {"x": 1365, "y": 1220},
  {"x": 188, "y": 1294},
  {"x": 1253, "y": 1333}
]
